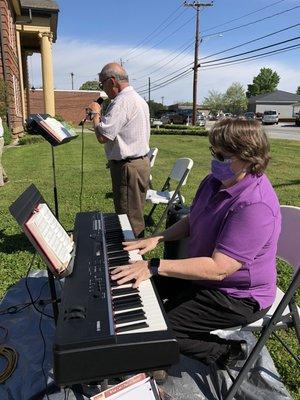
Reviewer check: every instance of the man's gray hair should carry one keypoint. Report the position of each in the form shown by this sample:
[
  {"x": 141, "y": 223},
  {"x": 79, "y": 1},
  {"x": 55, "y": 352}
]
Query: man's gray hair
[{"x": 111, "y": 73}]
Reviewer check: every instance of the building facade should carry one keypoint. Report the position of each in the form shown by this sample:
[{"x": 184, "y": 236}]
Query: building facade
[
  {"x": 278, "y": 100},
  {"x": 69, "y": 104},
  {"x": 26, "y": 27}
]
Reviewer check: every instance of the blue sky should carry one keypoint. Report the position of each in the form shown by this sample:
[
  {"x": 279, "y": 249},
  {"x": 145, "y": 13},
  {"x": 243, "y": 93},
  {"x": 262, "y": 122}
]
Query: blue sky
[{"x": 90, "y": 34}]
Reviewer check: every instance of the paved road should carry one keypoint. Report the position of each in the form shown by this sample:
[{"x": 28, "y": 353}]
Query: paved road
[{"x": 284, "y": 130}]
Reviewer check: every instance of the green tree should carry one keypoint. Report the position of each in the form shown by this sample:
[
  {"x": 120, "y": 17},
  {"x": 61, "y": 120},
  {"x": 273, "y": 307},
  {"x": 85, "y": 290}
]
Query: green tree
[
  {"x": 235, "y": 100},
  {"x": 265, "y": 82},
  {"x": 298, "y": 90},
  {"x": 156, "y": 109},
  {"x": 214, "y": 101},
  {"x": 90, "y": 85}
]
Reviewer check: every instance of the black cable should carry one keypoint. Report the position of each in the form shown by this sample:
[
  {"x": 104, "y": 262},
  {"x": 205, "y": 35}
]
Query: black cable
[
  {"x": 81, "y": 177},
  {"x": 11, "y": 357},
  {"x": 29, "y": 293},
  {"x": 243, "y": 16},
  {"x": 44, "y": 354},
  {"x": 253, "y": 22},
  {"x": 16, "y": 308}
]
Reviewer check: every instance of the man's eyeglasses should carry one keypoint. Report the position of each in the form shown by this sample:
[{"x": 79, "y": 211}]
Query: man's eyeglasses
[
  {"x": 217, "y": 155},
  {"x": 104, "y": 80}
]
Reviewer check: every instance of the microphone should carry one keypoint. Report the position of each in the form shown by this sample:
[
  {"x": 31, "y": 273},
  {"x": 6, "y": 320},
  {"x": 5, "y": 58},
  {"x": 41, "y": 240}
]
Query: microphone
[{"x": 88, "y": 114}]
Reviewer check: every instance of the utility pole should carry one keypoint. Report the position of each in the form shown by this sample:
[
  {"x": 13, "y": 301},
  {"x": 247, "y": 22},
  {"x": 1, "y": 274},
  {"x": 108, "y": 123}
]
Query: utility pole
[
  {"x": 162, "y": 100},
  {"x": 72, "y": 79},
  {"x": 196, "y": 5}
]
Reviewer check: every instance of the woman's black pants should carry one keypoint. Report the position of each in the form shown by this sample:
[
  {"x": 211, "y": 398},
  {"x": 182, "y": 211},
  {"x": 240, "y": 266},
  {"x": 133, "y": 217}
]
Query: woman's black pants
[{"x": 194, "y": 311}]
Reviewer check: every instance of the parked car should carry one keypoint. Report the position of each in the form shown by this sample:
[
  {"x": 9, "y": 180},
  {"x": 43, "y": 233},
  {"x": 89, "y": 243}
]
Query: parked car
[
  {"x": 297, "y": 121},
  {"x": 250, "y": 115},
  {"x": 201, "y": 120},
  {"x": 270, "y": 117}
]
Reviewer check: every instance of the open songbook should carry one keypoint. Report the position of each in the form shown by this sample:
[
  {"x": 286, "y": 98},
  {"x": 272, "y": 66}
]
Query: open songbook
[
  {"x": 51, "y": 129},
  {"x": 56, "y": 245}
]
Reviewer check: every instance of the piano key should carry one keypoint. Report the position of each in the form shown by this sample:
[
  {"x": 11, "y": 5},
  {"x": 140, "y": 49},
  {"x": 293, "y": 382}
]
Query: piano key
[
  {"x": 130, "y": 316},
  {"x": 131, "y": 327},
  {"x": 128, "y": 306},
  {"x": 126, "y": 299},
  {"x": 121, "y": 291}
]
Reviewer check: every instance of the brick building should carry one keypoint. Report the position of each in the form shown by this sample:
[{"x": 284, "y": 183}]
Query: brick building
[
  {"x": 26, "y": 26},
  {"x": 70, "y": 104}
]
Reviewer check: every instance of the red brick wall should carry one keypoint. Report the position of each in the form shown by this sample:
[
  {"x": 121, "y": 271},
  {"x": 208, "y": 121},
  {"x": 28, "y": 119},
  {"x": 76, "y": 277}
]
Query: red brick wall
[
  {"x": 69, "y": 104},
  {"x": 10, "y": 59}
]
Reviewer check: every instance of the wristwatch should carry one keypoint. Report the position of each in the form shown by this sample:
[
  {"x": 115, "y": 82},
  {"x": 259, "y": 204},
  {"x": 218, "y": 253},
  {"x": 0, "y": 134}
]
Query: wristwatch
[{"x": 154, "y": 265}]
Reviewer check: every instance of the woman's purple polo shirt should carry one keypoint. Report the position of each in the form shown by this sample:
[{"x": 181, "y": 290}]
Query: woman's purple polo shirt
[{"x": 244, "y": 223}]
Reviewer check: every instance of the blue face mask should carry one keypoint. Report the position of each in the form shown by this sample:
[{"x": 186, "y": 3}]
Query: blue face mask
[{"x": 221, "y": 169}]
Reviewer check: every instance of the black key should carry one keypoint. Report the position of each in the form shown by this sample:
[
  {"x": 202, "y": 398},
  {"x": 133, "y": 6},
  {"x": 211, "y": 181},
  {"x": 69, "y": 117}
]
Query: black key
[
  {"x": 114, "y": 283},
  {"x": 128, "y": 306},
  {"x": 127, "y": 290},
  {"x": 131, "y": 327},
  {"x": 136, "y": 315},
  {"x": 126, "y": 299}
]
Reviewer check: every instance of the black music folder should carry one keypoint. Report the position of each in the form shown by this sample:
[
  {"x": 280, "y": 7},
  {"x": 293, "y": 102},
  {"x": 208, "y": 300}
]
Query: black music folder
[
  {"x": 50, "y": 128},
  {"x": 44, "y": 231}
]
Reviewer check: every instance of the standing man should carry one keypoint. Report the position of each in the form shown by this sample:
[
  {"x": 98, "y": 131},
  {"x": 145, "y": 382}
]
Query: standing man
[
  {"x": 3, "y": 176},
  {"x": 124, "y": 130}
]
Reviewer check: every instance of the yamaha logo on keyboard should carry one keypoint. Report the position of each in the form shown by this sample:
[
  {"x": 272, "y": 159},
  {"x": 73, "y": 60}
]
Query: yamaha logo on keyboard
[{"x": 98, "y": 326}]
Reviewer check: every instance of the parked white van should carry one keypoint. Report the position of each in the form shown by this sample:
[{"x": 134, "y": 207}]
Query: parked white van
[{"x": 270, "y": 117}]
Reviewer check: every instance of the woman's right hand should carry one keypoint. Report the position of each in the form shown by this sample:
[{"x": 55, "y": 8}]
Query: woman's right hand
[{"x": 143, "y": 245}]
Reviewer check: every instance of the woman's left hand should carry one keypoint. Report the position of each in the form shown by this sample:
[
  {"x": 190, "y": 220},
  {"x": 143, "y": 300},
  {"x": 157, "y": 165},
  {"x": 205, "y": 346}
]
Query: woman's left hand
[{"x": 137, "y": 271}]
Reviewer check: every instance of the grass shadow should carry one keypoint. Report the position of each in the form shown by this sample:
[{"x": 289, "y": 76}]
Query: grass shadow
[
  {"x": 109, "y": 195},
  {"x": 292, "y": 182},
  {"x": 11, "y": 244}
]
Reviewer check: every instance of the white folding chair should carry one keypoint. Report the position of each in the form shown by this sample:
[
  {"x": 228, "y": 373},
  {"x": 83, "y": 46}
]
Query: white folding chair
[
  {"x": 179, "y": 174},
  {"x": 152, "y": 157},
  {"x": 284, "y": 313}
]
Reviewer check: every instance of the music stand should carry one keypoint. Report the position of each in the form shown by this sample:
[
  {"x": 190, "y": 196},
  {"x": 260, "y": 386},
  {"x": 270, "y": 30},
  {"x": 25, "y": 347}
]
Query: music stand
[
  {"x": 56, "y": 134},
  {"x": 21, "y": 210}
]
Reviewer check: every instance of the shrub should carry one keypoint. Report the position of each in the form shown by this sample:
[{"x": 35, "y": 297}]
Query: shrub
[
  {"x": 183, "y": 132},
  {"x": 7, "y": 134},
  {"x": 30, "y": 139}
]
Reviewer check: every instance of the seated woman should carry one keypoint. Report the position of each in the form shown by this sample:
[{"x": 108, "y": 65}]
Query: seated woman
[{"x": 229, "y": 277}]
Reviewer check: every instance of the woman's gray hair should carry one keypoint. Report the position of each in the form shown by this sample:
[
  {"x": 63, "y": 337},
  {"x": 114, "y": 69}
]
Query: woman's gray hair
[{"x": 244, "y": 139}]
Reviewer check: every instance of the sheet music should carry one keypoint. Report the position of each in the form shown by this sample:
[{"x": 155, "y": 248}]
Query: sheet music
[
  {"x": 51, "y": 237},
  {"x": 58, "y": 127}
]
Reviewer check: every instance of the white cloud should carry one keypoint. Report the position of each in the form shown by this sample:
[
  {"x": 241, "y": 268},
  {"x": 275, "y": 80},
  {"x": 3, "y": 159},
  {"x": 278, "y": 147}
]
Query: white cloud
[{"x": 85, "y": 60}]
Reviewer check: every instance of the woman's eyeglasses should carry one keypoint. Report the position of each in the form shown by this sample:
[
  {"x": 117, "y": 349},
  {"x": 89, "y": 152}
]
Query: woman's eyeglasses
[{"x": 218, "y": 156}]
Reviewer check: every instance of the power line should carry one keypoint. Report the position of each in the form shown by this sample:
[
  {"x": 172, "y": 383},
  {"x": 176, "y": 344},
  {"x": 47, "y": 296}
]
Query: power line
[
  {"x": 224, "y": 64},
  {"x": 161, "y": 41},
  {"x": 161, "y": 24},
  {"x": 252, "y": 51},
  {"x": 250, "y": 41},
  {"x": 253, "y": 22},
  {"x": 168, "y": 75},
  {"x": 186, "y": 72},
  {"x": 257, "y": 56},
  {"x": 243, "y": 16},
  {"x": 153, "y": 72}
]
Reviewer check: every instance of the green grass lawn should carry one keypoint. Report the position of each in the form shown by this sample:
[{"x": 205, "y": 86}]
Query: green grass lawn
[{"x": 33, "y": 164}]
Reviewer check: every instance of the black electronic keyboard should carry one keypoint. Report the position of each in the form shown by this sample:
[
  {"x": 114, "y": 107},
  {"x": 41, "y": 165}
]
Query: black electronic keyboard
[{"x": 103, "y": 329}]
